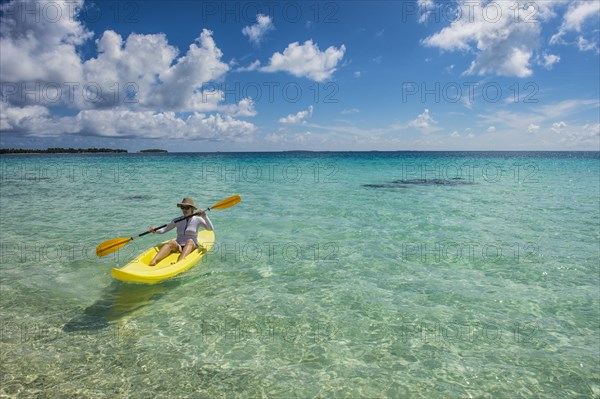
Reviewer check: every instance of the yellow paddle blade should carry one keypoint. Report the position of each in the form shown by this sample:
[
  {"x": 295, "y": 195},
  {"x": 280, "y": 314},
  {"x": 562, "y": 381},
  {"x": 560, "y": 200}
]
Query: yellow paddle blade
[
  {"x": 226, "y": 203},
  {"x": 110, "y": 246}
]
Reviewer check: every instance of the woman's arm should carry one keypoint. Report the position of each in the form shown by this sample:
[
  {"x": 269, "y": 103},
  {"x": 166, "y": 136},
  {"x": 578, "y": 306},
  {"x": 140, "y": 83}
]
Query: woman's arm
[
  {"x": 168, "y": 227},
  {"x": 204, "y": 221},
  {"x": 208, "y": 223}
]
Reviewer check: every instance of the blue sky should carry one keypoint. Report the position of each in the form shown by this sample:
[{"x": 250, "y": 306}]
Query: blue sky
[{"x": 330, "y": 75}]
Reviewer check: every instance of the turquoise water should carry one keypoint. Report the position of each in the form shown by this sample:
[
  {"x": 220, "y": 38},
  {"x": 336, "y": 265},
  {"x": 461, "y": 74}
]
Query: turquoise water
[{"x": 339, "y": 275}]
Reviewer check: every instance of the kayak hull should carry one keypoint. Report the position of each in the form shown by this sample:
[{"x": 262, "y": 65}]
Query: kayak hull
[{"x": 139, "y": 270}]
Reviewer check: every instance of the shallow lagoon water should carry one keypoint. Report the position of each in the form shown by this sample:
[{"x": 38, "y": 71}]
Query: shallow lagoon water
[{"x": 338, "y": 275}]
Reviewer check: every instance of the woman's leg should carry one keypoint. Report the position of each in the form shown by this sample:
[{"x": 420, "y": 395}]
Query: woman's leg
[
  {"x": 166, "y": 249},
  {"x": 187, "y": 249}
]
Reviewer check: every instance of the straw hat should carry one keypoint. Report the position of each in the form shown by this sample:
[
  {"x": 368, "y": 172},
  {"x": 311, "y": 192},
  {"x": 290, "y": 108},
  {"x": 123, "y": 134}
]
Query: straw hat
[{"x": 187, "y": 202}]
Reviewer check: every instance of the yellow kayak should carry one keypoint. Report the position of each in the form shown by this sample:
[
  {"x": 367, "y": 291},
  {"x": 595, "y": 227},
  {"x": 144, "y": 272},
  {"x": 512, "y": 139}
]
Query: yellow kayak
[{"x": 139, "y": 271}]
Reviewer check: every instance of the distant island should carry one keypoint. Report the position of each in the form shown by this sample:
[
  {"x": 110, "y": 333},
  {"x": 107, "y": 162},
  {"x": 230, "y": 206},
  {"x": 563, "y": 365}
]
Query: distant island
[
  {"x": 57, "y": 150},
  {"x": 154, "y": 150}
]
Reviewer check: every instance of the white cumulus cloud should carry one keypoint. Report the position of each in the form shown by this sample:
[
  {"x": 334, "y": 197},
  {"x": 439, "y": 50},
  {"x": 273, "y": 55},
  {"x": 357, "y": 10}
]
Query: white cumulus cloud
[
  {"x": 502, "y": 44},
  {"x": 35, "y": 120},
  {"x": 252, "y": 67},
  {"x": 558, "y": 127},
  {"x": 36, "y": 48},
  {"x": 135, "y": 62},
  {"x": 506, "y": 37},
  {"x": 306, "y": 60},
  {"x": 298, "y": 117},
  {"x": 579, "y": 14},
  {"x": 244, "y": 108},
  {"x": 257, "y": 32},
  {"x": 138, "y": 86},
  {"x": 121, "y": 122},
  {"x": 201, "y": 64},
  {"x": 586, "y": 45},
  {"x": 150, "y": 124},
  {"x": 548, "y": 60},
  {"x": 424, "y": 122}
]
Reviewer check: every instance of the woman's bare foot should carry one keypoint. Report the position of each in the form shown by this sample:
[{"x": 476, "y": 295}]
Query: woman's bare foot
[{"x": 165, "y": 250}]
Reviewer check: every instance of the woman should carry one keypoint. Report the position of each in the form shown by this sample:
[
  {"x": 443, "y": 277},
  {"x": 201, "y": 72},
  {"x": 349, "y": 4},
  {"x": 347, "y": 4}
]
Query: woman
[{"x": 187, "y": 232}]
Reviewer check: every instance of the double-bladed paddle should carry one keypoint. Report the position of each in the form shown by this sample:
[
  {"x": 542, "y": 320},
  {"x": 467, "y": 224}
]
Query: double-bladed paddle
[{"x": 110, "y": 246}]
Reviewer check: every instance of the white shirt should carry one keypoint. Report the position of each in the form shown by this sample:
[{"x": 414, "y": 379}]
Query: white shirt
[{"x": 188, "y": 228}]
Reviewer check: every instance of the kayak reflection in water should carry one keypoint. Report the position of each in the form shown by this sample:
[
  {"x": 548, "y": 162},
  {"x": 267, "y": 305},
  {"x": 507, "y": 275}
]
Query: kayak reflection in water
[{"x": 187, "y": 232}]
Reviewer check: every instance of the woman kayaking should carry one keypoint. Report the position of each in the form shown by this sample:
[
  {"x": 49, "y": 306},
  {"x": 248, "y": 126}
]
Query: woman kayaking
[{"x": 187, "y": 232}]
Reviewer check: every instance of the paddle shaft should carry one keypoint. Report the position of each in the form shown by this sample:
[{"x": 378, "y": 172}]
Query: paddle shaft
[{"x": 179, "y": 219}]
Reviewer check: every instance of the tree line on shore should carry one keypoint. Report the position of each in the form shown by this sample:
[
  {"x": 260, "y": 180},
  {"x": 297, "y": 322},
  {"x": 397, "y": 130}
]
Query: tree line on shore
[{"x": 57, "y": 150}]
